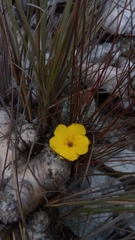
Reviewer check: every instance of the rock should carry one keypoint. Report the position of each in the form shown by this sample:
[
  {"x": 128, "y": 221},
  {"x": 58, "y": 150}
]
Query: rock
[
  {"x": 95, "y": 187},
  {"x": 27, "y": 134},
  {"x": 119, "y": 17},
  {"x": 98, "y": 53},
  {"x": 89, "y": 106},
  {"x": 6, "y": 141},
  {"x": 106, "y": 77},
  {"x": 39, "y": 226},
  {"x": 123, "y": 161},
  {"x": 9, "y": 141},
  {"x": 45, "y": 173}
]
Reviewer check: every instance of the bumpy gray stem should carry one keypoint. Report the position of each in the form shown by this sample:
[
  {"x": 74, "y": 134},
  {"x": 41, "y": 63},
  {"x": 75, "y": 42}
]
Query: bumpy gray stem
[{"x": 45, "y": 173}]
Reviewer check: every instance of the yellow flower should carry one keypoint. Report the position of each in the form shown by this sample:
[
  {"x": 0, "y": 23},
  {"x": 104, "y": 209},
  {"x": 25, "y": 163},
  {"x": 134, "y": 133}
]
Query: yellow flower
[{"x": 70, "y": 142}]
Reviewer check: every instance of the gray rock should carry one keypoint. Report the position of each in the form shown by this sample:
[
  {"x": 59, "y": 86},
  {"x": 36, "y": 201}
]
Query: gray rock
[
  {"x": 38, "y": 226},
  {"x": 123, "y": 161},
  {"x": 93, "y": 189},
  {"x": 119, "y": 17},
  {"x": 46, "y": 172},
  {"x": 99, "y": 53}
]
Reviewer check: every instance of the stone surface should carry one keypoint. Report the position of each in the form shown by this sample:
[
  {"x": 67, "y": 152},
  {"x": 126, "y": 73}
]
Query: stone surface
[
  {"x": 45, "y": 173},
  {"x": 123, "y": 161},
  {"x": 11, "y": 138},
  {"x": 106, "y": 77},
  {"x": 119, "y": 17},
  {"x": 95, "y": 187},
  {"x": 99, "y": 52},
  {"x": 39, "y": 226}
]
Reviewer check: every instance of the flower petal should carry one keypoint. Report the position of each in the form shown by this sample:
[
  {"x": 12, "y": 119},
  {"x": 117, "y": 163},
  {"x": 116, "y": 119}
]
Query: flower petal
[
  {"x": 76, "y": 129},
  {"x": 69, "y": 153},
  {"x": 81, "y": 144},
  {"x": 56, "y": 144},
  {"x": 61, "y": 131}
]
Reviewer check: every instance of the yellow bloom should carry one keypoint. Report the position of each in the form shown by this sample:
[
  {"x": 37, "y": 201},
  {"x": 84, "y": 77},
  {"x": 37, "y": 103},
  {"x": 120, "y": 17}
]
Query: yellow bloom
[{"x": 70, "y": 142}]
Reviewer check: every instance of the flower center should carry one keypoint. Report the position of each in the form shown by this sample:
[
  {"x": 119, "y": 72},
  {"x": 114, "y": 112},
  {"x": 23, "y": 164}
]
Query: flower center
[{"x": 70, "y": 144}]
